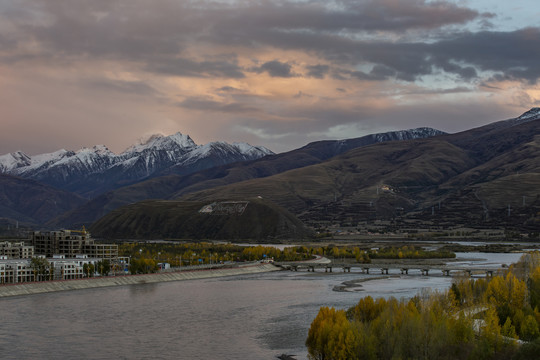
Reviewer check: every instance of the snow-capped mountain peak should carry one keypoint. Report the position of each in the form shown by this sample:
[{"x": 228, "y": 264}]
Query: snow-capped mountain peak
[
  {"x": 97, "y": 169},
  {"x": 183, "y": 140},
  {"x": 14, "y": 160},
  {"x": 161, "y": 142},
  {"x": 102, "y": 150},
  {"x": 532, "y": 114},
  {"x": 246, "y": 148}
]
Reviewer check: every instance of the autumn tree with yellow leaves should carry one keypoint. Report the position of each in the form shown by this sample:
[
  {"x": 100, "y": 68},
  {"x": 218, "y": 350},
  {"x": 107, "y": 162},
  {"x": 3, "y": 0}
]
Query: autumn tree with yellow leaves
[{"x": 474, "y": 319}]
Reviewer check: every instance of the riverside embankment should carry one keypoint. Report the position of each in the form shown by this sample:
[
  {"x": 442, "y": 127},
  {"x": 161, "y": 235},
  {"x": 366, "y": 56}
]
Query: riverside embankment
[{"x": 64, "y": 285}]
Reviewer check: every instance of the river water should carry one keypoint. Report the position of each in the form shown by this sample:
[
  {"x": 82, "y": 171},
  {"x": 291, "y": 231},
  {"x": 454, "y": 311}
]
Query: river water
[{"x": 256, "y": 316}]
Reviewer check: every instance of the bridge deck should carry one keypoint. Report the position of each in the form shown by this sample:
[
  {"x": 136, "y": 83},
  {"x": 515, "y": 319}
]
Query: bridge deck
[{"x": 424, "y": 269}]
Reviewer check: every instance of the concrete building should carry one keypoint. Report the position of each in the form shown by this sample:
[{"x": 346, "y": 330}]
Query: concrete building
[
  {"x": 14, "y": 271},
  {"x": 16, "y": 250},
  {"x": 66, "y": 251},
  {"x": 71, "y": 243}
]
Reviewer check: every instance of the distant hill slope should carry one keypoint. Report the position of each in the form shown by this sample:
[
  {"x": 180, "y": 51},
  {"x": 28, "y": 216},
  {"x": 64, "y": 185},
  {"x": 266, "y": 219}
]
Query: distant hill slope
[
  {"x": 32, "y": 202},
  {"x": 173, "y": 186},
  {"x": 470, "y": 175},
  {"x": 397, "y": 168},
  {"x": 253, "y": 219}
]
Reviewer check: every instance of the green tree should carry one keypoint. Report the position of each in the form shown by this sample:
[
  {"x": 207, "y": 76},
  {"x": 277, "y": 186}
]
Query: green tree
[
  {"x": 529, "y": 329},
  {"x": 89, "y": 269},
  {"x": 41, "y": 268},
  {"x": 103, "y": 267},
  {"x": 143, "y": 266}
]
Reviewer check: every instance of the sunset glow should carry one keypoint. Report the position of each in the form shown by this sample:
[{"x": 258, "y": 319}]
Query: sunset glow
[{"x": 273, "y": 73}]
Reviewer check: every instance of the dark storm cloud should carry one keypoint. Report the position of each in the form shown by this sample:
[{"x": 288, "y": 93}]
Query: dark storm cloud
[
  {"x": 161, "y": 37},
  {"x": 354, "y": 15},
  {"x": 275, "y": 68},
  {"x": 317, "y": 71},
  {"x": 514, "y": 55},
  {"x": 157, "y": 34}
]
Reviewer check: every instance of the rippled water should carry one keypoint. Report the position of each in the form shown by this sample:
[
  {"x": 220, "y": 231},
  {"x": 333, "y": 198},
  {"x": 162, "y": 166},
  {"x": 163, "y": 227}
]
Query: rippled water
[{"x": 248, "y": 317}]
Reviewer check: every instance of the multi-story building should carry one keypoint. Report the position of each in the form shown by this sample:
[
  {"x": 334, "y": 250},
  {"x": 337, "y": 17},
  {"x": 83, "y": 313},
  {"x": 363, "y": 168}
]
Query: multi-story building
[
  {"x": 15, "y": 270},
  {"x": 16, "y": 250},
  {"x": 66, "y": 253},
  {"x": 60, "y": 268},
  {"x": 71, "y": 243}
]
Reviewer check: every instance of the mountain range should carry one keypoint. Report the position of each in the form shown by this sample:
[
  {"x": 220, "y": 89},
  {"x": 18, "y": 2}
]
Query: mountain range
[
  {"x": 92, "y": 171},
  {"x": 469, "y": 178},
  {"x": 487, "y": 176},
  {"x": 174, "y": 186}
]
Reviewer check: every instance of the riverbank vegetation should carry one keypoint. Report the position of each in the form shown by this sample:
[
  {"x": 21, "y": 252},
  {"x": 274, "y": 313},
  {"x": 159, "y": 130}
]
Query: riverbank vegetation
[
  {"x": 389, "y": 252},
  {"x": 182, "y": 254},
  {"x": 486, "y": 318}
]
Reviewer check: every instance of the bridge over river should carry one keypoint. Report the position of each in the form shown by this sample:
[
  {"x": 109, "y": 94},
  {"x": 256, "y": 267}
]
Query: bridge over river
[{"x": 408, "y": 269}]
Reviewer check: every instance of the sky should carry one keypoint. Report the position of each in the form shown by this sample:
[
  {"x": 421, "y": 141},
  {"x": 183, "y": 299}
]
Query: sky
[{"x": 277, "y": 73}]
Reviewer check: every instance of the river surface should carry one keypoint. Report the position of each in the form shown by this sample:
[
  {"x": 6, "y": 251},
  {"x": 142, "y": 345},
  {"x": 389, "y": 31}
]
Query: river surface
[{"x": 256, "y": 316}]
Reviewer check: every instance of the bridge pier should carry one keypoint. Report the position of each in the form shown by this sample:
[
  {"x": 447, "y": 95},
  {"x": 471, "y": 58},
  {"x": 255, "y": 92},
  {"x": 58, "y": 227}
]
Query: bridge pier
[{"x": 446, "y": 272}]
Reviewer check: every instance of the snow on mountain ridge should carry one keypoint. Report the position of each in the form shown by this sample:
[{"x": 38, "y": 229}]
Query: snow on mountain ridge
[
  {"x": 14, "y": 160},
  {"x": 161, "y": 142},
  {"x": 246, "y": 148},
  {"x": 409, "y": 134},
  {"x": 532, "y": 113},
  {"x": 88, "y": 169}
]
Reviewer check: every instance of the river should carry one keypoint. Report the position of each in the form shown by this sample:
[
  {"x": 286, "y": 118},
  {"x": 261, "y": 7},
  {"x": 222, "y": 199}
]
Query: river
[{"x": 255, "y": 316}]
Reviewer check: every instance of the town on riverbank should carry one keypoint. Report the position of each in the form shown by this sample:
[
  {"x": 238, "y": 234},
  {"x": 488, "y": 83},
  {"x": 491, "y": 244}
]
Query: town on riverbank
[{"x": 69, "y": 259}]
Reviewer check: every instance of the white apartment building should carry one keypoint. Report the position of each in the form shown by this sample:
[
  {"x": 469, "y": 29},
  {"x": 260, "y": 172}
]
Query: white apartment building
[{"x": 14, "y": 271}]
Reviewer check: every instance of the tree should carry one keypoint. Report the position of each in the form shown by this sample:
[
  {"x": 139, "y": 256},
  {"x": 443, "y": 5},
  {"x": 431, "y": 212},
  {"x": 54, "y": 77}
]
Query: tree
[
  {"x": 143, "y": 266},
  {"x": 103, "y": 267},
  {"x": 331, "y": 336},
  {"x": 529, "y": 329},
  {"x": 89, "y": 269},
  {"x": 41, "y": 267}
]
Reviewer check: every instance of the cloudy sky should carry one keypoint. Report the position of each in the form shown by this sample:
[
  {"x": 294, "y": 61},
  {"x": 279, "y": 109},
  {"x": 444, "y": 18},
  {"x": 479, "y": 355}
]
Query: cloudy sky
[{"x": 278, "y": 73}]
